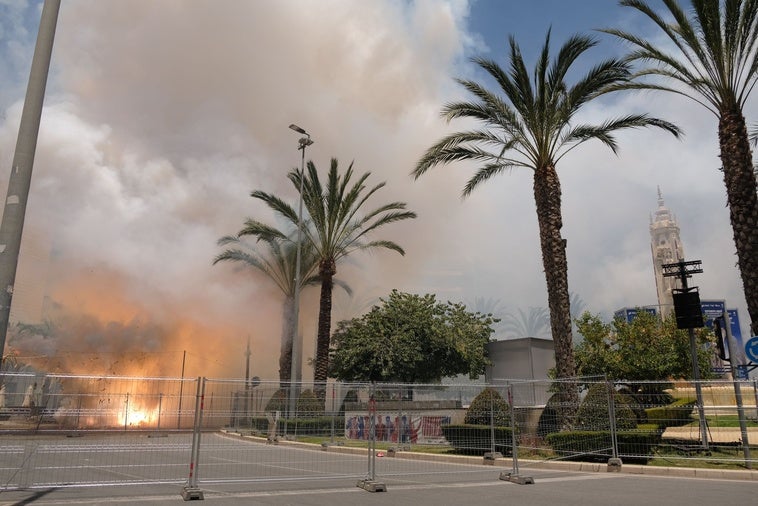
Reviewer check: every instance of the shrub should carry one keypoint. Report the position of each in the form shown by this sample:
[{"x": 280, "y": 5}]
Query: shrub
[
  {"x": 595, "y": 446},
  {"x": 321, "y": 425},
  {"x": 676, "y": 414},
  {"x": 258, "y": 423},
  {"x": 477, "y": 439},
  {"x": 635, "y": 403},
  {"x": 309, "y": 404},
  {"x": 488, "y": 401},
  {"x": 351, "y": 397},
  {"x": 278, "y": 401},
  {"x": 593, "y": 414},
  {"x": 550, "y": 420}
]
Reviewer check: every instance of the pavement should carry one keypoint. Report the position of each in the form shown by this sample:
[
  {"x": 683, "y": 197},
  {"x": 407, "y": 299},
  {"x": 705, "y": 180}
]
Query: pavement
[
  {"x": 716, "y": 434},
  {"x": 461, "y": 481},
  {"x": 440, "y": 480},
  {"x": 550, "y": 486}
]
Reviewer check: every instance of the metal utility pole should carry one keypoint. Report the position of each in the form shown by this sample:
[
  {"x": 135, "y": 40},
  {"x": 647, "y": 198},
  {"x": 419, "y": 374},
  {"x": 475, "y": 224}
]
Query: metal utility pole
[
  {"x": 689, "y": 315},
  {"x": 181, "y": 393},
  {"x": 12, "y": 225},
  {"x": 247, "y": 379}
]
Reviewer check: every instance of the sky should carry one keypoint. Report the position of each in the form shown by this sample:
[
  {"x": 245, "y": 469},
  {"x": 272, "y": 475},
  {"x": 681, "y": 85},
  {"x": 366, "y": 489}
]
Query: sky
[{"x": 162, "y": 116}]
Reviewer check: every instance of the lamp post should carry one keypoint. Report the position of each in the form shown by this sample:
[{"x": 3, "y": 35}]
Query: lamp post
[{"x": 303, "y": 143}]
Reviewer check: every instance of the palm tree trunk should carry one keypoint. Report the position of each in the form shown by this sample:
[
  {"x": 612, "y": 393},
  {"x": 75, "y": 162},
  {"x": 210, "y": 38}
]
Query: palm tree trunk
[
  {"x": 327, "y": 270},
  {"x": 547, "y": 196},
  {"x": 288, "y": 334},
  {"x": 741, "y": 191}
]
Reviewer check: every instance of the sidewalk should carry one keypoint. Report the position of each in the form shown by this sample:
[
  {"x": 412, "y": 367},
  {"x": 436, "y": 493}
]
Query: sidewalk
[{"x": 715, "y": 434}]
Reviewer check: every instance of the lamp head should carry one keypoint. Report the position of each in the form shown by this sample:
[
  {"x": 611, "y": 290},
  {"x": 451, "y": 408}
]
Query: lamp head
[{"x": 298, "y": 129}]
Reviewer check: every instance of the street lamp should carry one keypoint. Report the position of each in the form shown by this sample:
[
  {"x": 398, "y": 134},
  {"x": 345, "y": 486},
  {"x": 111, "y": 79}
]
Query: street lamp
[{"x": 303, "y": 143}]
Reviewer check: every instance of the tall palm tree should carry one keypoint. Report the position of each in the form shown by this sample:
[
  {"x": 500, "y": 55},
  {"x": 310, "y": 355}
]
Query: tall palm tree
[
  {"x": 276, "y": 260},
  {"x": 714, "y": 62},
  {"x": 335, "y": 230},
  {"x": 529, "y": 123},
  {"x": 532, "y": 323}
]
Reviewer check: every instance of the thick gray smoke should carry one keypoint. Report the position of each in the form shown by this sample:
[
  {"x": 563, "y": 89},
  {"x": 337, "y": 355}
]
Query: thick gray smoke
[{"x": 161, "y": 117}]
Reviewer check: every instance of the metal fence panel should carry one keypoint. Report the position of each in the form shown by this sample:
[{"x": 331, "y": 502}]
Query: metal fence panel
[{"x": 66, "y": 430}]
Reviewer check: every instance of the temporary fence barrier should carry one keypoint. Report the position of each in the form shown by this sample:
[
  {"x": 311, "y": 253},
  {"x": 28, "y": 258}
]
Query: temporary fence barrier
[
  {"x": 104, "y": 430},
  {"x": 68, "y": 430}
]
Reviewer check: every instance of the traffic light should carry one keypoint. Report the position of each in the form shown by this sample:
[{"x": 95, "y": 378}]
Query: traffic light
[{"x": 689, "y": 314}]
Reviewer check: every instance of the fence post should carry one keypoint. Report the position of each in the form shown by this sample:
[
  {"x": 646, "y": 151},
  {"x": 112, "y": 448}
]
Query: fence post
[
  {"x": 514, "y": 475},
  {"x": 334, "y": 414},
  {"x": 492, "y": 425},
  {"x": 370, "y": 483},
  {"x": 126, "y": 410},
  {"x": 491, "y": 456},
  {"x": 737, "y": 393},
  {"x": 191, "y": 491},
  {"x": 614, "y": 463}
]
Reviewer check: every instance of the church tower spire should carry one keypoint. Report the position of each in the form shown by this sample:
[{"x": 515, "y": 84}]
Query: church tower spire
[{"x": 666, "y": 247}]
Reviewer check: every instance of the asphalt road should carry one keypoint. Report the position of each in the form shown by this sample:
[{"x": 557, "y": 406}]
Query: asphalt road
[
  {"x": 292, "y": 474},
  {"x": 550, "y": 487}
]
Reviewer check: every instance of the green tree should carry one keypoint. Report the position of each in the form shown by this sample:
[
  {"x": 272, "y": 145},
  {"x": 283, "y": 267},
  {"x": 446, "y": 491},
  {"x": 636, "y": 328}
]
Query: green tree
[
  {"x": 713, "y": 61},
  {"x": 335, "y": 230},
  {"x": 645, "y": 349},
  {"x": 274, "y": 257},
  {"x": 411, "y": 338},
  {"x": 530, "y": 123}
]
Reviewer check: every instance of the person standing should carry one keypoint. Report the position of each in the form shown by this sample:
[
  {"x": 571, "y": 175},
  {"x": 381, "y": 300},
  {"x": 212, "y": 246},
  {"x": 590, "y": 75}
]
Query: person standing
[{"x": 29, "y": 396}]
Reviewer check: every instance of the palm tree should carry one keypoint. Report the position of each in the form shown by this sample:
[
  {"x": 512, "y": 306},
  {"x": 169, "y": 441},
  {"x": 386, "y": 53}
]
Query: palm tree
[
  {"x": 277, "y": 262},
  {"x": 531, "y": 125},
  {"x": 532, "y": 323},
  {"x": 335, "y": 230},
  {"x": 715, "y": 63},
  {"x": 493, "y": 307}
]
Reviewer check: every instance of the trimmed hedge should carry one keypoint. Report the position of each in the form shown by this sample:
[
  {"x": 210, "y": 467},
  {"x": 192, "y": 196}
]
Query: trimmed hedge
[
  {"x": 476, "y": 439},
  {"x": 593, "y": 446},
  {"x": 487, "y": 407},
  {"x": 593, "y": 411},
  {"x": 315, "y": 426},
  {"x": 309, "y": 404},
  {"x": 676, "y": 414},
  {"x": 303, "y": 426}
]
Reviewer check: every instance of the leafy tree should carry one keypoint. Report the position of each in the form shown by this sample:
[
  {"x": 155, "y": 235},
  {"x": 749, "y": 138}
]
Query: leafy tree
[
  {"x": 645, "y": 349},
  {"x": 530, "y": 123},
  {"x": 411, "y": 338},
  {"x": 275, "y": 257},
  {"x": 714, "y": 61},
  {"x": 335, "y": 230}
]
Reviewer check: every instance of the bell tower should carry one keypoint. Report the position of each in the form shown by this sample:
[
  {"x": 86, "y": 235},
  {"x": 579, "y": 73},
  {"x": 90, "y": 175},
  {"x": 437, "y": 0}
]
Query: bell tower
[{"x": 666, "y": 248}]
